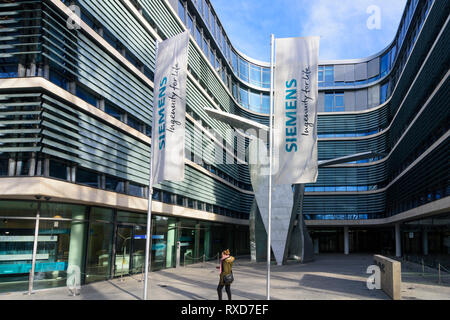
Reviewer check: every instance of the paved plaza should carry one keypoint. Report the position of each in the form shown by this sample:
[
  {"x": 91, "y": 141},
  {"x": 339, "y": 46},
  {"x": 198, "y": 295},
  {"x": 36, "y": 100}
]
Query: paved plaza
[{"x": 328, "y": 277}]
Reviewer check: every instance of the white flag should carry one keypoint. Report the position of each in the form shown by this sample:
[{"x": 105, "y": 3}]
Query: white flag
[
  {"x": 295, "y": 110},
  {"x": 168, "y": 132}
]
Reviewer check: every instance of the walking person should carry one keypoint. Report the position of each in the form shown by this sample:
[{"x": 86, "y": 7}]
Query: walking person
[{"x": 226, "y": 274}]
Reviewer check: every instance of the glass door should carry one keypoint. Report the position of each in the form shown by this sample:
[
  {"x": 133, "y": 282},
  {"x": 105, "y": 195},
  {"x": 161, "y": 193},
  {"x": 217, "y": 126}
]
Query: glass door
[
  {"x": 123, "y": 250},
  {"x": 138, "y": 249}
]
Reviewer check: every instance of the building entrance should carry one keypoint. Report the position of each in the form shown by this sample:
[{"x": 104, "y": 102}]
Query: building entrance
[{"x": 129, "y": 250}]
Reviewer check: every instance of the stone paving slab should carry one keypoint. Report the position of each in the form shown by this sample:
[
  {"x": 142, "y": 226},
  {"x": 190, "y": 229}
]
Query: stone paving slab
[{"x": 328, "y": 277}]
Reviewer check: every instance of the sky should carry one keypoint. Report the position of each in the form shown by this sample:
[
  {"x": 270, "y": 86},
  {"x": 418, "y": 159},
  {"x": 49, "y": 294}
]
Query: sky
[{"x": 348, "y": 29}]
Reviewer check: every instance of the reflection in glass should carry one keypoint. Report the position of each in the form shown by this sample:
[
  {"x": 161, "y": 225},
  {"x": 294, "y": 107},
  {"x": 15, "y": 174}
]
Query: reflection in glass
[
  {"x": 60, "y": 243},
  {"x": 243, "y": 70},
  {"x": 190, "y": 23},
  {"x": 138, "y": 249},
  {"x": 123, "y": 250},
  {"x": 198, "y": 36},
  {"x": 244, "y": 96},
  {"x": 265, "y": 108},
  {"x": 255, "y": 101},
  {"x": 58, "y": 169},
  {"x": 87, "y": 177},
  {"x": 266, "y": 78},
  {"x": 99, "y": 251},
  {"x": 163, "y": 242},
  {"x": 16, "y": 249},
  {"x": 329, "y": 74},
  {"x": 255, "y": 75},
  {"x": 187, "y": 242}
]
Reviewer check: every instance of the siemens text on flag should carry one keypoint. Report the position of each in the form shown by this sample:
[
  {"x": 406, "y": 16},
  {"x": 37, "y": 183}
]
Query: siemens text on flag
[
  {"x": 295, "y": 110},
  {"x": 168, "y": 132}
]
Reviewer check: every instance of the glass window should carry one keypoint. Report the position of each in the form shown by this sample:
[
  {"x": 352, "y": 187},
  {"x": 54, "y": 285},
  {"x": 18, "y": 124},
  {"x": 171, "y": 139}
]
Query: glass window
[
  {"x": 114, "y": 184},
  {"x": 18, "y": 208},
  {"x": 227, "y": 48},
  {"x": 131, "y": 58},
  {"x": 384, "y": 64},
  {"x": 101, "y": 214},
  {"x": 16, "y": 251},
  {"x": 243, "y": 70},
  {"x": 180, "y": 200},
  {"x": 329, "y": 74},
  {"x": 198, "y": 36},
  {"x": 255, "y": 101},
  {"x": 384, "y": 92},
  {"x": 206, "y": 12},
  {"x": 87, "y": 177},
  {"x": 321, "y": 74},
  {"x": 86, "y": 96},
  {"x": 99, "y": 251},
  {"x": 8, "y": 71},
  {"x": 213, "y": 26},
  {"x": 113, "y": 111},
  {"x": 156, "y": 195},
  {"x": 205, "y": 47},
  {"x": 55, "y": 77},
  {"x": 212, "y": 58},
  {"x": 58, "y": 169},
  {"x": 131, "y": 217},
  {"x": 163, "y": 243},
  {"x": 167, "y": 197},
  {"x": 339, "y": 101},
  {"x": 265, "y": 108},
  {"x": 234, "y": 61},
  {"x": 110, "y": 38},
  {"x": 148, "y": 131},
  {"x": 135, "y": 190},
  {"x": 329, "y": 102},
  {"x": 393, "y": 54},
  {"x": 4, "y": 161},
  {"x": 266, "y": 77},
  {"x": 218, "y": 66},
  {"x": 181, "y": 11},
  {"x": 134, "y": 123},
  {"x": 235, "y": 95},
  {"x": 255, "y": 75},
  {"x": 190, "y": 23},
  {"x": 244, "y": 96}
]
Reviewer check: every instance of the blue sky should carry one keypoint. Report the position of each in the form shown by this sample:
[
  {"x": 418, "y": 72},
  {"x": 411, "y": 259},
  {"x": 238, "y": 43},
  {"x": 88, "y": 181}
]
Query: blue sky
[{"x": 341, "y": 25}]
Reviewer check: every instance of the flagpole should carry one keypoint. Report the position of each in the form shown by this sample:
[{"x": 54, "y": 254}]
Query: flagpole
[
  {"x": 148, "y": 256},
  {"x": 269, "y": 240}
]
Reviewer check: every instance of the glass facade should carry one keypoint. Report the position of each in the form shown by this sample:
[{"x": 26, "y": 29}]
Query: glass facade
[
  {"x": 104, "y": 243},
  {"x": 46, "y": 135}
]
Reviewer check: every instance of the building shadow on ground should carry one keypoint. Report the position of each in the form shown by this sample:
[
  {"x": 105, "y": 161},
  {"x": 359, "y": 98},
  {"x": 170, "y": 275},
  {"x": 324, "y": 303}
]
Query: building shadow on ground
[{"x": 351, "y": 288}]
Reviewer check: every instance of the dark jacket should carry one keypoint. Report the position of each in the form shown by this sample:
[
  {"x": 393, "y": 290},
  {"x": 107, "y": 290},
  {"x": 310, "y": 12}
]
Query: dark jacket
[{"x": 227, "y": 266}]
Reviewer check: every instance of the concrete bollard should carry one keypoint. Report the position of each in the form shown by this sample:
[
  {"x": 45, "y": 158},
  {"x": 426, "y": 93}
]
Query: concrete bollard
[{"x": 391, "y": 276}]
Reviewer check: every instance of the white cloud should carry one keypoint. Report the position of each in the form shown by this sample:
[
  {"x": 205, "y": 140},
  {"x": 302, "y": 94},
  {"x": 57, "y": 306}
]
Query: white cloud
[{"x": 341, "y": 24}]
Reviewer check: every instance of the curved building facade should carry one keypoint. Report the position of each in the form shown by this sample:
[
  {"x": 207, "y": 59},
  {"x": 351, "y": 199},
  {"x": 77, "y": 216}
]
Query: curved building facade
[{"x": 76, "y": 95}]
